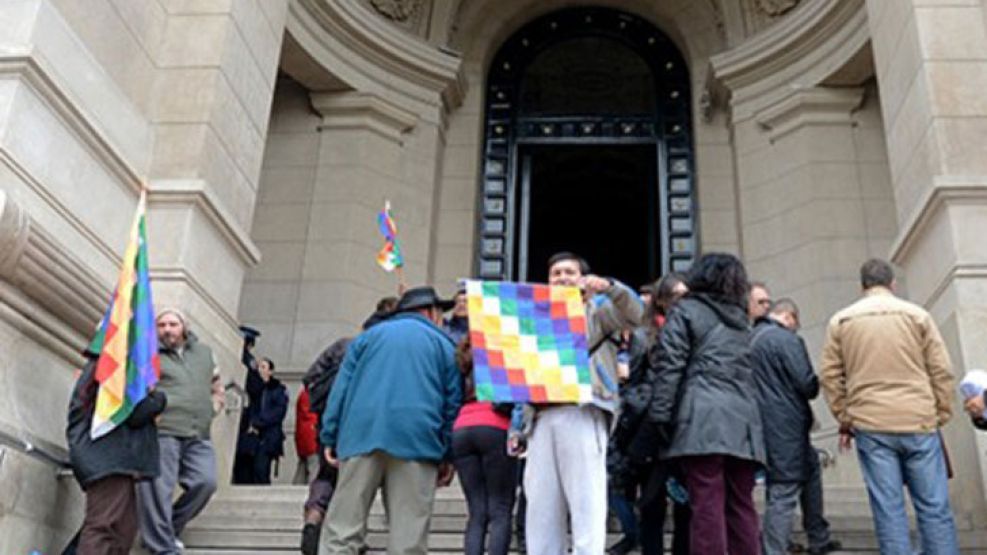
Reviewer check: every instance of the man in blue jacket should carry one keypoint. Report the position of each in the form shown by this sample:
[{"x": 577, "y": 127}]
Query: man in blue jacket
[{"x": 388, "y": 425}]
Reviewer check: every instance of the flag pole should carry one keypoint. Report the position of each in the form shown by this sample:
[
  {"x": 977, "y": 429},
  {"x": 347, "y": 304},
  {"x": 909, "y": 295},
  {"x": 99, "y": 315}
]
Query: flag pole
[{"x": 402, "y": 285}]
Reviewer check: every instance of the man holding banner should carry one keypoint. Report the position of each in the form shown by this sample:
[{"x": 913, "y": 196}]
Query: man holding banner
[{"x": 566, "y": 466}]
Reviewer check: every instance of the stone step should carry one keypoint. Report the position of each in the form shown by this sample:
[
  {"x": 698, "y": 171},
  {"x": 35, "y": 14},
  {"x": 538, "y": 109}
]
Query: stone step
[{"x": 268, "y": 519}]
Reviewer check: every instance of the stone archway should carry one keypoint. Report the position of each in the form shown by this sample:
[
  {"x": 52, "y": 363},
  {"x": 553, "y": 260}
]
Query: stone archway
[{"x": 637, "y": 93}]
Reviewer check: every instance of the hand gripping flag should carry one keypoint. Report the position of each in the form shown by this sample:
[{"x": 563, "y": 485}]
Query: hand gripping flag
[
  {"x": 389, "y": 256},
  {"x": 126, "y": 341}
]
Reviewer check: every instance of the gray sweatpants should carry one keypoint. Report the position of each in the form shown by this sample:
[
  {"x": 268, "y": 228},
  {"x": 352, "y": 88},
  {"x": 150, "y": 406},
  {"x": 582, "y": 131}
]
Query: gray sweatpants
[
  {"x": 190, "y": 463},
  {"x": 565, "y": 476}
]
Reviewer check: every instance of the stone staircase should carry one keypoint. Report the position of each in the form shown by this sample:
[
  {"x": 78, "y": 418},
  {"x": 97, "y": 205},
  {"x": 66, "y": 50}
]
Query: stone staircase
[{"x": 249, "y": 520}]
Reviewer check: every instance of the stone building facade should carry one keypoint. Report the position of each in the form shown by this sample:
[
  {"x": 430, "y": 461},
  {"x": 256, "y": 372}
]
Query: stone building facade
[{"x": 804, "y": 135}]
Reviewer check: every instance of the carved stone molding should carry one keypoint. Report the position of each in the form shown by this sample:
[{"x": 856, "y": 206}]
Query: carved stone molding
[
  {"x": 775, "y": 8},
  {"x": 39, "y": 269},
  {"x": 761, "y": 14},
  {"x": 799, "y": 52},
  {"x": 194, "y": 192},
  {"x": 352, "y": 110},
  {"x": 402, "y": 11},
  {"x": 362, "y": 50},
  {"x": 945, "y": 190}
]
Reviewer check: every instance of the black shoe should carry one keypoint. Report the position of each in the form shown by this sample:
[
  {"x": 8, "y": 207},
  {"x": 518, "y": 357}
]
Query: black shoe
[
  {"x": 828, "y": 547},
  {"x": 310, "y": 539},
  {"x": 796, "y": 547},
  {"x": 623, "y": 547}
]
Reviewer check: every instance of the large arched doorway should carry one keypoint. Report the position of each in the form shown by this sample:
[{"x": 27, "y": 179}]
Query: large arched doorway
[{"x": 587, "y": 148}]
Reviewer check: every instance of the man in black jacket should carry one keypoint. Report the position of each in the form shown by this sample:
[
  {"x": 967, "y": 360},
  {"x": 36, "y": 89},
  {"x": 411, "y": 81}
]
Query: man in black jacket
[
  {"x": 108, "y": 467},
  {"x": 786, "y": 383}
]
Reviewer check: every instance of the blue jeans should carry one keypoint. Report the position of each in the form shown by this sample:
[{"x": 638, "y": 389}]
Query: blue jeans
[
  {"x": 890, "y": 461},
  {"x": 623, "y": 509}
]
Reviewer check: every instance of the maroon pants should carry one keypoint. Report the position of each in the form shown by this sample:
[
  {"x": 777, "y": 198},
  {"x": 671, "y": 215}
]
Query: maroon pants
[
  {"x": 110, "y": 524},
  {"x": 724, "y": 519}
]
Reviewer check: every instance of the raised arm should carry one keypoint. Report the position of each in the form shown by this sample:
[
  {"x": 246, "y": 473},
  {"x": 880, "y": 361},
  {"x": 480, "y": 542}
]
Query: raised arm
[{"x": 616, "y": 308}]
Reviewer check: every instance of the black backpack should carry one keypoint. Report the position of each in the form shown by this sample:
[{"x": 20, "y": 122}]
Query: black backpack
[{"x": 320, "y": 377}]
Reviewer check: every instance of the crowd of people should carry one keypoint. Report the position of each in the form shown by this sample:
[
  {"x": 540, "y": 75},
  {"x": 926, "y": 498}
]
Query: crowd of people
[{"x": 701, "y": 387}]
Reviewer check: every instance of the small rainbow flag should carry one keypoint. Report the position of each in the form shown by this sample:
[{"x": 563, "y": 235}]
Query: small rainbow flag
[
  {"x": 126, "y": 341},
  {"x": 389, "y": 256}
]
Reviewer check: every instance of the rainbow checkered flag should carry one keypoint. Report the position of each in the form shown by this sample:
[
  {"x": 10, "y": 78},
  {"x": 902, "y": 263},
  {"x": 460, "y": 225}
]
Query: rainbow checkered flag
[
  {"x": 126, "y": 341},
  {"x": 389, "y": 256},
  {"x": 529, "y": 343}
]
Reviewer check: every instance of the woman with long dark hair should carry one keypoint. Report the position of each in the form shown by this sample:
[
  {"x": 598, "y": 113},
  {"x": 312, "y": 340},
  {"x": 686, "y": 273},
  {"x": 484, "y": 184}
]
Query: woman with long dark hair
[
  {"x": 633, "y": 465},
  {"x": 705, "y": 403},
  {"x": 486, "y": 472}
]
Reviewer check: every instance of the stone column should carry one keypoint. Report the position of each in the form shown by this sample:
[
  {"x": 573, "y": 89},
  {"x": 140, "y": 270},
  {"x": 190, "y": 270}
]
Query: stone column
[
  {"x": 814, "y": 205},
  {"x": 931, "y": 63},
  {"x": 812, "y": 181},
  {"x": 370, "y": 150},
  {"x": 209, "y": 110}
]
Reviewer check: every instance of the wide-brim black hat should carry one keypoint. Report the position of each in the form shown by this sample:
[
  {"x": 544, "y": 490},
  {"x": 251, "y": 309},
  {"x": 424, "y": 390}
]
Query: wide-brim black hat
[{"x": 422, "y": 297}]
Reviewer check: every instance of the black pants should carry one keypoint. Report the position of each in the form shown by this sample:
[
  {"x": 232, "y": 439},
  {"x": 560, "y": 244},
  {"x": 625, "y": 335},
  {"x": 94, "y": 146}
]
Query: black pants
[
  {"x": 488, "y": 476},
  {"x": 653, "y": 505},
  {"x": 252, "y": 468}
]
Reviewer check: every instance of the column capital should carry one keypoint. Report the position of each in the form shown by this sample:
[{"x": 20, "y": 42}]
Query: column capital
[
  {"x": 802, "y": 50},
  {"x": 364, "y": 52},
  {"x": 810, "y": 106},
  {"x": 360, "y": 110}
]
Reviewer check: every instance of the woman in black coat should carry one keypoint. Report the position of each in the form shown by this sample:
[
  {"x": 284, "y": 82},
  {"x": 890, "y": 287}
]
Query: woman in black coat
[
  {"x": 263, "y": 440},
  {"x": 705, "y": 401}
]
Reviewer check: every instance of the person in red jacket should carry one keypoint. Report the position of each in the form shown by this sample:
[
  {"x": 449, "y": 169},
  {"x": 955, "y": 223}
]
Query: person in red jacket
[{"x": 306, "y": 444}]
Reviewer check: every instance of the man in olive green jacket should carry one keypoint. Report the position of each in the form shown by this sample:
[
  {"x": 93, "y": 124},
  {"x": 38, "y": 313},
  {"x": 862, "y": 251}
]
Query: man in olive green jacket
[
  {"x": 886, "y": 374},
  {"x": 189, "y": 378}
]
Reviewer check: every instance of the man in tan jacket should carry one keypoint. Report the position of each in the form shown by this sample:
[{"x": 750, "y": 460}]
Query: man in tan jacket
[{"x": 886, "y": 375}]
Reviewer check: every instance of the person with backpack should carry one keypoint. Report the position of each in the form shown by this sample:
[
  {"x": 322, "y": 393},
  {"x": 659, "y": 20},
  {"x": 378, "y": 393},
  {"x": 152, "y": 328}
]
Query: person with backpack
[{"x": 318, "y": 382}]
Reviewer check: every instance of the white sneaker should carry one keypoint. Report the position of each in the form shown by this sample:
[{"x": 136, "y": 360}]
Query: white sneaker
[{"x": 179, "y": 544}]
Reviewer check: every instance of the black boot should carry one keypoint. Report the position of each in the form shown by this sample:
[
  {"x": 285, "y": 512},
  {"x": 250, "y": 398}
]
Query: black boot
[
  {"x": 830, "y": 546},
  {"x": 624, "y": 546},
  {"x": 310, "y": 539}
]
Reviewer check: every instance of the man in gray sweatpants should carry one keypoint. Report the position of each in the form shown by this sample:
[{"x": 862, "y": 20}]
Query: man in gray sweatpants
[
  {"x": 565, "y": 474},
  {"x": 189, "y": 378}
]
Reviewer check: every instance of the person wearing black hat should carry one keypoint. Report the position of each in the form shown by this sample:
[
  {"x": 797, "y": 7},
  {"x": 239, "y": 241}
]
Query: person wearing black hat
[{"x": 388, "y": 425}]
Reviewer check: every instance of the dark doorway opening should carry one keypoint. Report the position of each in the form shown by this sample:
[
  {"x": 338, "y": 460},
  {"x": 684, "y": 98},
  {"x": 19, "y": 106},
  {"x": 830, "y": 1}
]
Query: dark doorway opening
[
  {"x": 587, "y": 147},
  {"x": 599, "y": 201}
]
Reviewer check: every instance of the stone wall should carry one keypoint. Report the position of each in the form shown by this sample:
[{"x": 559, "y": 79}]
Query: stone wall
[
  {"x": 931, "y": 64},
  {"x": 96, "y": 97}
]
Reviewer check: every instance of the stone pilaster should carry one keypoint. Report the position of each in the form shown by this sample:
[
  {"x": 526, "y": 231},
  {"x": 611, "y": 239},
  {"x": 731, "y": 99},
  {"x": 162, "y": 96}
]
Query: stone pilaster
[{"x": 931, "y": 62}]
